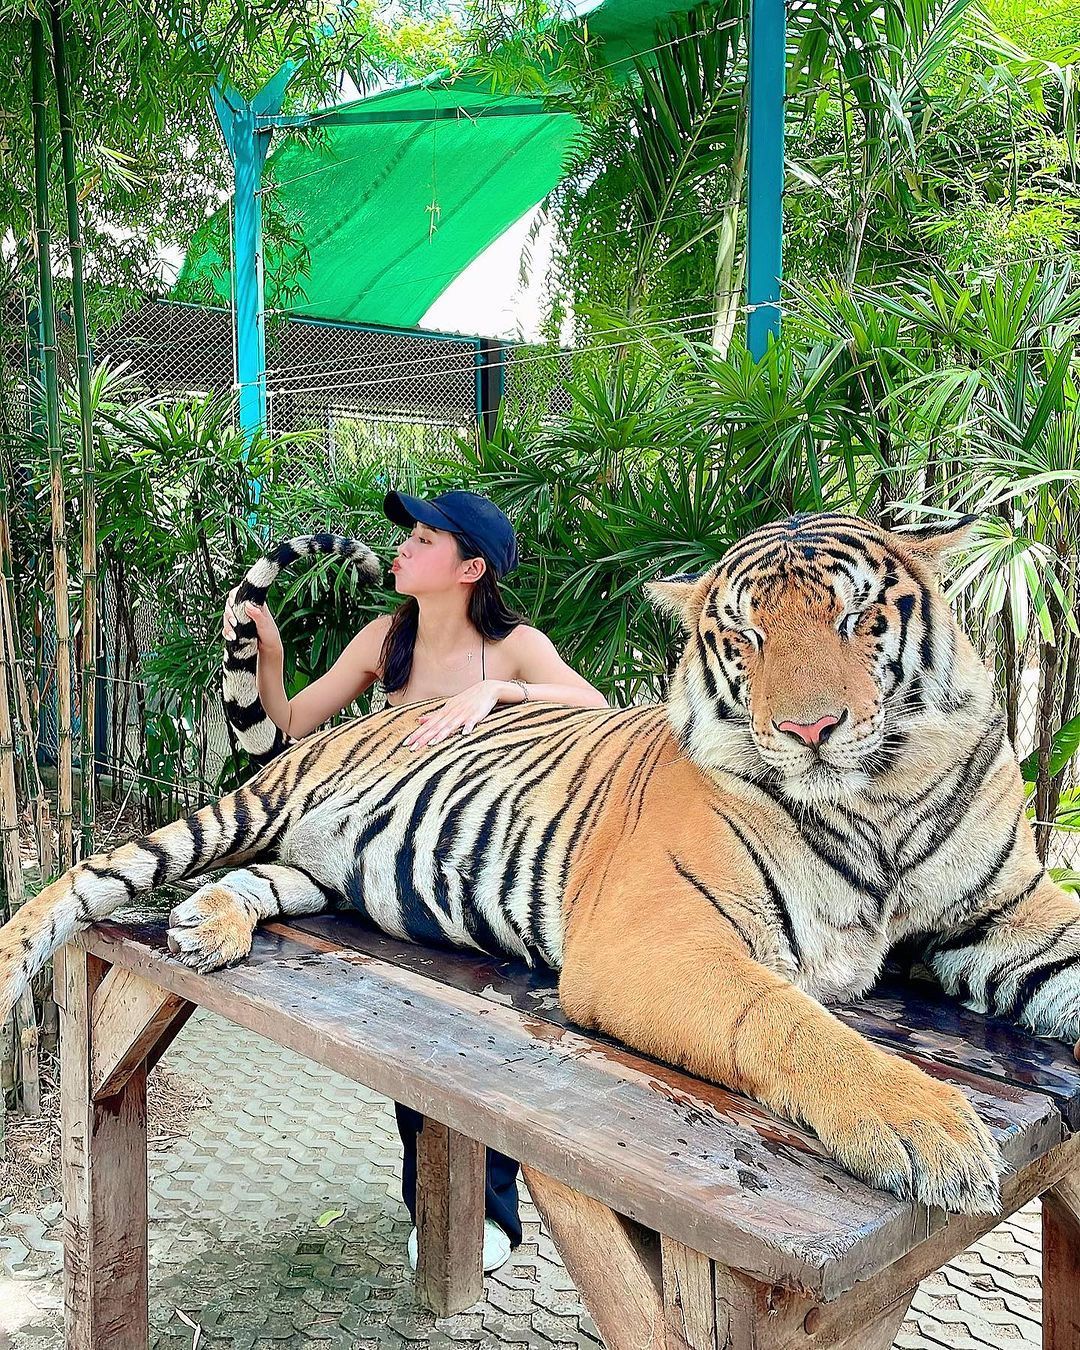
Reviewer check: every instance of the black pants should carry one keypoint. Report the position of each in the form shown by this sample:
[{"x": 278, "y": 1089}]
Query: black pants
[{"x": 500, "y": 1183}]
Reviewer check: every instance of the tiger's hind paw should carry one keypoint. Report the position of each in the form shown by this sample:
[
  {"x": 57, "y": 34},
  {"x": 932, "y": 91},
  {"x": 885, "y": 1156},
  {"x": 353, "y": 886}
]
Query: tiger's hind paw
[{"x": 212, "y": 929}]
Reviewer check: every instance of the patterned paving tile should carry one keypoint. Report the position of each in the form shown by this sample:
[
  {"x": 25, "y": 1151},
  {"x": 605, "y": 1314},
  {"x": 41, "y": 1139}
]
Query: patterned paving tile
[{"x": 236, "y": 1248}]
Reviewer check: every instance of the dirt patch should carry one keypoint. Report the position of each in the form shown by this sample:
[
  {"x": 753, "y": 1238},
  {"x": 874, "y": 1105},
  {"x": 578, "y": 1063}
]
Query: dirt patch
[{"x": 30, "y": 1173}]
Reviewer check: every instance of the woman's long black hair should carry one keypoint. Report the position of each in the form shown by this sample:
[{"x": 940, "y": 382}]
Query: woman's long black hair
[{"x": 488, "y": 612}]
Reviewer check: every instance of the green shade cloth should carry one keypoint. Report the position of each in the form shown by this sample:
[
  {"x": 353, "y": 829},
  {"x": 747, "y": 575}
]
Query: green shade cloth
[{"x": 390, "y": 212}]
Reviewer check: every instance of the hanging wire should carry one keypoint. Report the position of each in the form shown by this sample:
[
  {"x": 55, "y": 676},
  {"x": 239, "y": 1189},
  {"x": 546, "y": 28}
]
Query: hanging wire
[
  {"x": 447, "y": 85},
  {"x": 428, "y": 371},
  {"x": 433, "y": 366}
]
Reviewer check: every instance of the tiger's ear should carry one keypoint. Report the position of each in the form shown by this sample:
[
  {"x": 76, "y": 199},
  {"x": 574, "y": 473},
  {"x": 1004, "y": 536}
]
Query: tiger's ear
[
  {"x": 931, "y": 542},
  {"x": 671, "y": 595}
]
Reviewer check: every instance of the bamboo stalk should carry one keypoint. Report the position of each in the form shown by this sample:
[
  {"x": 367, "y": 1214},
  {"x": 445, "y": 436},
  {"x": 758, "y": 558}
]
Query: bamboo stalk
[
  {"x": 1009, "y": 660},
  {"x": 23, "y": 732},
  {"x": 88, "y": 685},
  {"x": 26, "y": 1026},
  {"x": 26, "y": 724},
  {"x": 43, "y": 815},
  {"x": 1066, "y": 712},
  {"x": 730, "y": 263},
  {"x": 43, "y": 237},
  {"x": 1048, "y": 674},
  {"x": 9, "y": 806},
  {"x": 7, "y": 1027}
]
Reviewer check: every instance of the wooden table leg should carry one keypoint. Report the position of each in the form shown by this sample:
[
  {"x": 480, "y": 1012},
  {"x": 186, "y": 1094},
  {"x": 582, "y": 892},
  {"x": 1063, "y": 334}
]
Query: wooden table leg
[
  {"x": 613, "y": 1267},
  {"x": 1061, "y": 1264},
  {"x": 104, "y": 1182},
  {"x": 450, "y": 1174},
  {"x": 648, "y": 1293}
]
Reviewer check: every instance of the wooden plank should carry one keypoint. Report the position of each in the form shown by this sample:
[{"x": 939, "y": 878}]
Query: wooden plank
[
  {"x": 161, "y": 1046},
  {"x": 879, "y": 1333},
  {"x": 709, "y": 1168},
  {"x": 104, "y": 1183},
  {"x": 916, "y": 1018},
  {"x": 913, "y": 1020},
  {"x": 1023, "y": 1123},
  {"x": 831, "y": 1321},
  {"x": 753, "y": 1316},
  {"x": 129, "y": 1015},
  {"x": 1061, "y": 1264},
  {"x": 615, "y": 1283},
  {"x": 26, "y": 1044},
  {"x": 59, "y": 980},
  {"x": 449, "y": 1219}
]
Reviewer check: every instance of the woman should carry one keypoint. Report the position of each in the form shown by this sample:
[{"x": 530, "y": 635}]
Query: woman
[{"x": 455, "y": 639}]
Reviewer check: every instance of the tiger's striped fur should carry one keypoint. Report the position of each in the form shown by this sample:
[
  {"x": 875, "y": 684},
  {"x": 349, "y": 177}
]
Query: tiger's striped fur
[
  {"x": 704, "y": 879},
  {"x": 257, "y": 735}
]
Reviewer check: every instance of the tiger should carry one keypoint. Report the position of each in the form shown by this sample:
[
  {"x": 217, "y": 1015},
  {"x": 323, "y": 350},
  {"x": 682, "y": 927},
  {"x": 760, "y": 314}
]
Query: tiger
[{"x": 829, "y": 778}]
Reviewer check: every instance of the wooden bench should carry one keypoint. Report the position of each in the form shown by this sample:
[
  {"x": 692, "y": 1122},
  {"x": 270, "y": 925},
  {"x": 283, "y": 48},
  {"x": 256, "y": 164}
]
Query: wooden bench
[{"x": 688, "y": 1216}]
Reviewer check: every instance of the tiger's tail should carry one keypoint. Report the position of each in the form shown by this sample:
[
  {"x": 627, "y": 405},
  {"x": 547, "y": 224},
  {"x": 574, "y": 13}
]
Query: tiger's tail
[
  {"x": 237, "y": 827},
  {"x": 257, "y": 734}
]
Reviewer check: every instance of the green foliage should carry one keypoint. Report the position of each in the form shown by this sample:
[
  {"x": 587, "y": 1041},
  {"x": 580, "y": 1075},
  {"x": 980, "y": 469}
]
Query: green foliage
[
  {"x": 648, "y": 216},
  {"x": 1066, "y": 743},
  {"x": 151, "y": 162},
  {"x": 919, "y": 137}
]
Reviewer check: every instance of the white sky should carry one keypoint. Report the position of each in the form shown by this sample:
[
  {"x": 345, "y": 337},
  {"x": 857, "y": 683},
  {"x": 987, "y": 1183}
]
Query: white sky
[{"x": 487, "y": 298}]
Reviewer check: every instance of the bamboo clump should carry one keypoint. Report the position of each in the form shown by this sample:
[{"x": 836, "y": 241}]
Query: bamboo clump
[
  {"x": 43, "y": 235},
  {"x": 88, "y": 683}
]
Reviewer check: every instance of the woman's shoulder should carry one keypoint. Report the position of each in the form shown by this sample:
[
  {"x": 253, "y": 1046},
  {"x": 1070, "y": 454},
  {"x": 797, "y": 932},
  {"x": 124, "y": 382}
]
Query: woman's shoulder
[
  {"x": 372, "y": 633},
  {"x": 523, "y": 637},
  {"x": 367, "y": 645}
]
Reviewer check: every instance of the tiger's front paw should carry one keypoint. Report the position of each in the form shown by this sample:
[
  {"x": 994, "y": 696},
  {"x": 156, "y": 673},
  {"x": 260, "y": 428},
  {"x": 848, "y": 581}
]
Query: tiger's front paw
[
  {"x": 212, "y": 929},
  {"x": 920, "y": 1139}
]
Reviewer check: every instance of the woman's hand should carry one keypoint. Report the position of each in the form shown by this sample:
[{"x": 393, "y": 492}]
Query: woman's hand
[
  {"x": 270, "y": 643},
  {"x": 457, "y": 715}
]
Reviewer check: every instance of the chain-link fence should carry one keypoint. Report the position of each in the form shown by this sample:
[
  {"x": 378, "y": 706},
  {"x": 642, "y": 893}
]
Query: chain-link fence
[
  {"x": 536, "y": 382},
  {"x": 379, "y": 397}
]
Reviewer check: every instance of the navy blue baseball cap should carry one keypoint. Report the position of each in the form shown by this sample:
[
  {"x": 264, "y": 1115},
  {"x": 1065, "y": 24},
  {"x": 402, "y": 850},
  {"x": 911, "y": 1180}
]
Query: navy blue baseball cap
[{"x": 479, "y": 522}]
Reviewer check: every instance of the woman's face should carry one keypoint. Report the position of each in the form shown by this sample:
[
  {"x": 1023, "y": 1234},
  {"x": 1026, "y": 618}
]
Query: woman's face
[{"x": 428, "y": 561}]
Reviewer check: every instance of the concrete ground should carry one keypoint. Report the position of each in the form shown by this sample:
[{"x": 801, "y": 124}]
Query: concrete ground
[{"x": 238, "y": 1258}]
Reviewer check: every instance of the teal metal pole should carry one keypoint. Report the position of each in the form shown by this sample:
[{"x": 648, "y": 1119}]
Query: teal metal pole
[
  {"x": 247, "y": 145},
  {"x": 765, "y": 210},
  {"x": 247, "y": 126},
  {"x": 248, "y": 157}
]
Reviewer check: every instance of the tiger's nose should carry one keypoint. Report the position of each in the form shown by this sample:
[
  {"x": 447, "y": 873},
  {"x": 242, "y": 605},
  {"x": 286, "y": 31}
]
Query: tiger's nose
[{"x": 811, "y": 733}]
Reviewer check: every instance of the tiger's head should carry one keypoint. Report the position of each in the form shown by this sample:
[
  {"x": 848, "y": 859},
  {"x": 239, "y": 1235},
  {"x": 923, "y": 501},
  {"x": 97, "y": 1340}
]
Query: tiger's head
[{"x": 813, "y": 647}]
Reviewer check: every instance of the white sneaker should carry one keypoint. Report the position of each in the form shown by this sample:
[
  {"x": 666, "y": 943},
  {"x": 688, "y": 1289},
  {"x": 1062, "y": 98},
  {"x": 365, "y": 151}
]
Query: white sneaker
[{"x": 496, "y": 1247}]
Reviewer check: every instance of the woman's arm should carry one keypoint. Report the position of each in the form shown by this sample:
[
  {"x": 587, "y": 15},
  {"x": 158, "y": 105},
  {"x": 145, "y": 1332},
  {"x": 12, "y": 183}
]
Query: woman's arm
[
  {"x": 547, "y": 676},
  {"x": 355, "y": 670}
]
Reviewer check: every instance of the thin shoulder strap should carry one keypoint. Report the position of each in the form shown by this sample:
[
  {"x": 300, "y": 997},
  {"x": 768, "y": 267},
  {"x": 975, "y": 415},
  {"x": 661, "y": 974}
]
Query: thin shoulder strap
[{"x": 483, "y": 667}]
